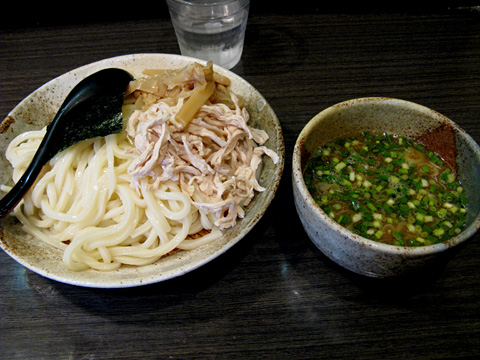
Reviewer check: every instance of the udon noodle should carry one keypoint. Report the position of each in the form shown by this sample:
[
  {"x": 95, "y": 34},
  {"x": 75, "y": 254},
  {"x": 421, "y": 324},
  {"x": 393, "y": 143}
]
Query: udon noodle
[{"x": 176, "y": 177}]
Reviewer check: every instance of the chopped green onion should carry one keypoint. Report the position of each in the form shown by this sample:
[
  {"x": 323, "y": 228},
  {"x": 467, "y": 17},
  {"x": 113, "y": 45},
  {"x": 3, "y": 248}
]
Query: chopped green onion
[{"x": 368, "y": 181}]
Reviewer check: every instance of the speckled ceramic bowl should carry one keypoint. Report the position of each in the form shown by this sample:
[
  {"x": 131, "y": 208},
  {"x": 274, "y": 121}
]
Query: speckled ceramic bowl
[
  {"x": 40, "y": 107},
  {"x": 354, "y": 252}
]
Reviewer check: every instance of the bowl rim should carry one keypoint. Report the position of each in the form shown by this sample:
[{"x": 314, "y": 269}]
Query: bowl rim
[{"x": 297, "y": 178}]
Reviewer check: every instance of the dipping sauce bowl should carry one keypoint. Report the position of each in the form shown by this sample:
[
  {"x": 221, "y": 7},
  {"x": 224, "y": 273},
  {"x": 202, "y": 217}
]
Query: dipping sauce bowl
[{"x": 382, "y": 115}]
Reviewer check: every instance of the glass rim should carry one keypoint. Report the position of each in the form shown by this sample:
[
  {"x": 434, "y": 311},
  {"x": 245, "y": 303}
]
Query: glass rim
[{"x": 205, "y": 3}]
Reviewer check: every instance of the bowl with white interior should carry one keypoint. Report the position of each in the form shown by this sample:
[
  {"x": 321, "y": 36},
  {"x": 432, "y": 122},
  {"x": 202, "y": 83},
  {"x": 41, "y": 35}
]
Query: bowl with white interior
[{"x": 35, "y": 111}]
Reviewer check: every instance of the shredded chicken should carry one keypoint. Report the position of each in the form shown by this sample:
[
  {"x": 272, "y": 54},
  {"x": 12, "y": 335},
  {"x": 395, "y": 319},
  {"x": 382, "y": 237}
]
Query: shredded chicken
[{"x": 214, "y": 159}]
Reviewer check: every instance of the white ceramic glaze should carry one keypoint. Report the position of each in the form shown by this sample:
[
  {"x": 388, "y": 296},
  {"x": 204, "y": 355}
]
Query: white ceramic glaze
[
  {"x": 39, "y": 108},
  {"x": 394, "y": 116}
]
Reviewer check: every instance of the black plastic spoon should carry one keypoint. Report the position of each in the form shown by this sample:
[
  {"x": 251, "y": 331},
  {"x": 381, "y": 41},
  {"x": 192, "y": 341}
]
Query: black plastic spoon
[{"x": 93, "y": 108}]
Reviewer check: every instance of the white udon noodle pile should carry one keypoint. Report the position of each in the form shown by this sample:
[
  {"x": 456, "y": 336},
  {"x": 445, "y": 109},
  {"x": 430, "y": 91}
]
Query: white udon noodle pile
[{"x": 105, "y": 203}]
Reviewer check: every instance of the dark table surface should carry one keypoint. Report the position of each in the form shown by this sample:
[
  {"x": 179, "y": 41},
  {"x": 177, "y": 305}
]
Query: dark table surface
[{"x": 273, "y": 295}]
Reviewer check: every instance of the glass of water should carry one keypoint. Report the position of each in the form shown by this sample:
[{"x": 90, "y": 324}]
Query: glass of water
[{"x": 211, "y": 30}]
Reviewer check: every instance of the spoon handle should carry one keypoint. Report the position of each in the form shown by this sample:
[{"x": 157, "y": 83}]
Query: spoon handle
[{"x": 15, "y": 195}]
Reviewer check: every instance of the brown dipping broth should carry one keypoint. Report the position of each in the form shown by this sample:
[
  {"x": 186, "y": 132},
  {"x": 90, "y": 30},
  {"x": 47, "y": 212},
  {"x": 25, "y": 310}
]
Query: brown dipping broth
[{"x": 387, "y": 188}]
